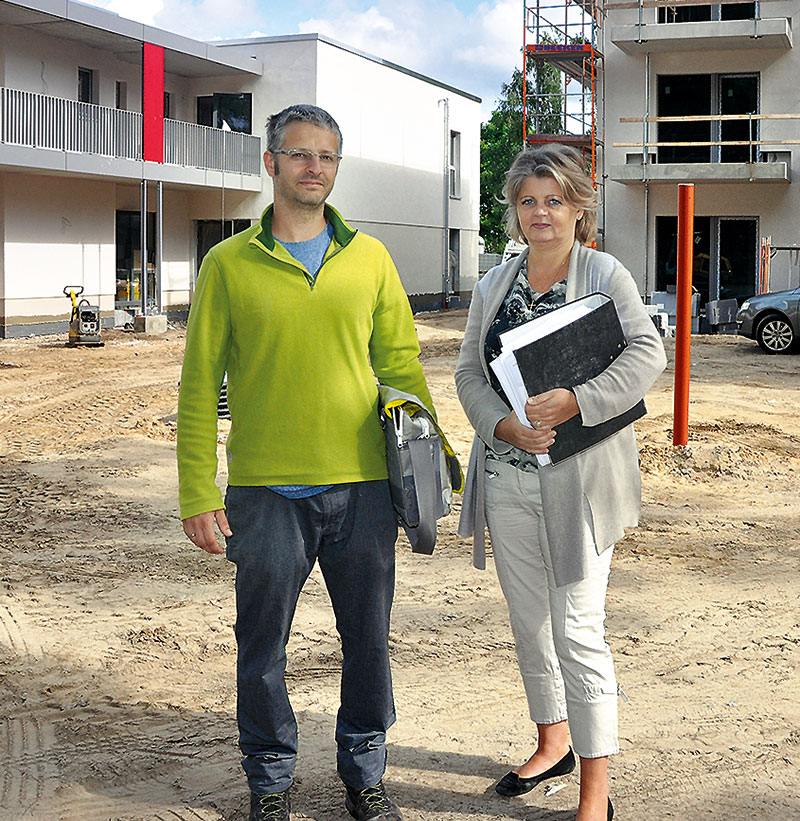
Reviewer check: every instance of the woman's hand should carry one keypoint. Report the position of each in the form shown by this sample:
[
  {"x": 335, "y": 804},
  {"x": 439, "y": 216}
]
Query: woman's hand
[
  {"x": 551, "y": 408},
  {"x": 511, "y": 430}
]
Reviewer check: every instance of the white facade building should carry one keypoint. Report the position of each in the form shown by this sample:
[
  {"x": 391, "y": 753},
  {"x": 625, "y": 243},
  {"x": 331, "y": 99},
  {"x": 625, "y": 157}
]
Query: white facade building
[
  {"x": 723, "y": 73},
  {"x": 80, "y": 160}
]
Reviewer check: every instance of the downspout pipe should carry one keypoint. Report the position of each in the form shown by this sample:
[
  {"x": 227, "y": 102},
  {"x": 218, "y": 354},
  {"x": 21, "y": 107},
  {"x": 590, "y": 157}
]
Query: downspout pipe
[
  {"x": 143, "y": 247},
  {"x": 445, "y": 103}
]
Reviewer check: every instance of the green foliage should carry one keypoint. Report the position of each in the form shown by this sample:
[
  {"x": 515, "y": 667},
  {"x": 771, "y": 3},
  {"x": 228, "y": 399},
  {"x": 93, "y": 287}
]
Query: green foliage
[{"x": 501, "y": 139}]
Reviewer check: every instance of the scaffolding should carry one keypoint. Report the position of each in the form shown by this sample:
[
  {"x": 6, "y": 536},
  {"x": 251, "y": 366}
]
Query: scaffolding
[{"x": 562, "y": 66}]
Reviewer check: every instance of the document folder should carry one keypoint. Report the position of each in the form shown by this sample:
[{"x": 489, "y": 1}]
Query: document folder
[{"x": 561, "y": 349}]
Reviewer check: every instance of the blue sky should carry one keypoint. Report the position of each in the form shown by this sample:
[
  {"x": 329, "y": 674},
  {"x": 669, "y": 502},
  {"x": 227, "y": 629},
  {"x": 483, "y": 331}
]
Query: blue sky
[{"x": 471, "y": 45}]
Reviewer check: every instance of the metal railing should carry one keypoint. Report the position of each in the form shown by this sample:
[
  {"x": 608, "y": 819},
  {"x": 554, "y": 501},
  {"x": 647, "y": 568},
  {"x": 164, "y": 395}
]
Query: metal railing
[
  {"x": 717, "y": 142},
  {"x": 203, "y": 147},
  {"x": 40, "y": 121}
]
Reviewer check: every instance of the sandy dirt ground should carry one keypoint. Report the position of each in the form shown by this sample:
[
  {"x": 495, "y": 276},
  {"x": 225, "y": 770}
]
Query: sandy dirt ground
[{"x": 117, "y": 693}]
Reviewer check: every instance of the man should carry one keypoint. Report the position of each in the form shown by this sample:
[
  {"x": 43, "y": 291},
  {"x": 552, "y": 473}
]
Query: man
[{"x": 303, "y": 313}]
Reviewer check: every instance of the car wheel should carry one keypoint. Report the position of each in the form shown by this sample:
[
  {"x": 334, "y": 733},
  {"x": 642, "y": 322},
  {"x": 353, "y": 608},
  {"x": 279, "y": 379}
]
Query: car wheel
[{"x": 775, "y": 334}]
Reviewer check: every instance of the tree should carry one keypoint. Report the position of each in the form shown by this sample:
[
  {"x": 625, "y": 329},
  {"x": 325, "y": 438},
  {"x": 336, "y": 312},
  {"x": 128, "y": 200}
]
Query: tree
[{"x": 501, "y": 139}]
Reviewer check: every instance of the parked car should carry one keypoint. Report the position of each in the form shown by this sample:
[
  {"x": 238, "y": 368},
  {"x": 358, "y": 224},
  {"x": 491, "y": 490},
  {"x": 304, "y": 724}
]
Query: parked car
[{"x": 773, "y": 320}]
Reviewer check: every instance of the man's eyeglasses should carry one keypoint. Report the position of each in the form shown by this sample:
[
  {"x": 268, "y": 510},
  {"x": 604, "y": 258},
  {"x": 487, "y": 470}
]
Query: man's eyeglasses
[{"x": 303, "y": 157}]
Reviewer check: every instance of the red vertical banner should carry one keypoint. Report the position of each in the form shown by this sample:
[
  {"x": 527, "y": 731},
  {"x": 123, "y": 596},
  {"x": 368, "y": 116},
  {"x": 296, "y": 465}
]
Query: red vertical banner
[
  {"x": 153, "y": 102},
  {"x": 683, "y": 314}
]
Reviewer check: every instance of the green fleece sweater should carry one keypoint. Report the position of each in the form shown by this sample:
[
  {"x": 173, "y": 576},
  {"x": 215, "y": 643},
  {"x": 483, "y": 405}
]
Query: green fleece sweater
[{"x": 301, "y": 356}]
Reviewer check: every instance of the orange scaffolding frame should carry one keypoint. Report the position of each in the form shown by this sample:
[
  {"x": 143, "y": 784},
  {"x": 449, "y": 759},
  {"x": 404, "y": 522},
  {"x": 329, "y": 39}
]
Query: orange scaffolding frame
[{"x": 564, "y": 35}]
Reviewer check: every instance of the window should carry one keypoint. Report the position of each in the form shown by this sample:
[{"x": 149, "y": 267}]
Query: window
[
  {"x": 454, "y": 262},
  {"x": 681, "y": 95},
  {"x": 455, "y": 164},
  {"x": 209, "y": 233},
  {"x": 234, "y": 110},
  {"x": 167, "y": 102},
  {"x": 87, "y": 86},
  {"x": 724, "y": 256},
  {"x": 716, "y": 11},
  {"x": 129, "y": 257},
  {"x": 121, "y": 96}
]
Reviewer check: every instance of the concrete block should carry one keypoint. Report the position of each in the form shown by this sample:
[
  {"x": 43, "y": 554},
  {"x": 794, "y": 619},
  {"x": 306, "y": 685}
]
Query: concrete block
[
  {"x": 151, "y": 324},
  {"x": 122, "y": 318}
]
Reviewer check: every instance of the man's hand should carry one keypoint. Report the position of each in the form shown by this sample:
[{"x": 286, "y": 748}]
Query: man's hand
[
  {"x": 551, "y": 408},
  {"x": 200, "y": 530},
  {"x": 511, "y": 430}
]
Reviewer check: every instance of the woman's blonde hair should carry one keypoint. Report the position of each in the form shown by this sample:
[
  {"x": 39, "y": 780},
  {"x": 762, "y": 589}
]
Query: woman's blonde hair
[{"x": 565, "y": 165}]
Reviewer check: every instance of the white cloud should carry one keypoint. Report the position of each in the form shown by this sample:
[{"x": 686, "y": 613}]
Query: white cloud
[
  {"x": 143, "y": 11},
  {"x": 474, "y": 51},
  {"x": 200, "y": 19}
]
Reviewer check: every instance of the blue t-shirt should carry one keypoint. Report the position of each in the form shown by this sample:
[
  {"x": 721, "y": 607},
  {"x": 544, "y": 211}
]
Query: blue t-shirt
[
  {"x": 311, "y": 252},
  {"x": 310, "y": 255}
]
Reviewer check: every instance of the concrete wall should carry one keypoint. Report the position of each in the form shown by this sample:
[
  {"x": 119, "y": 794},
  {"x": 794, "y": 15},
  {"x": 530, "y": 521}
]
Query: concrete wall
[
  {"x": 49, "y": 65},
  {"x": 392, "y": 178},
  {"x": 56, "y": 232},
  {"x": 31, "y": 61},
  {"x": 775, "y": 204}
]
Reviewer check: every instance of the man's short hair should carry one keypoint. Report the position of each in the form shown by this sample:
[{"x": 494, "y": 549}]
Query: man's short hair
[{"x": 277, "y": 123}]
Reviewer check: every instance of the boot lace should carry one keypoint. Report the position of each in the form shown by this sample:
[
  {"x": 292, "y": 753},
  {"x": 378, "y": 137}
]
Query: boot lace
[
  {"x": 374, "y": 798},
  {"x": 271, "y": 805}
]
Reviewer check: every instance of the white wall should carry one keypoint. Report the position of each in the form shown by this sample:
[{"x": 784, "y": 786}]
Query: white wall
[
  {"x": 57, "y": 232},
  {"x": 391, "y": 180}
]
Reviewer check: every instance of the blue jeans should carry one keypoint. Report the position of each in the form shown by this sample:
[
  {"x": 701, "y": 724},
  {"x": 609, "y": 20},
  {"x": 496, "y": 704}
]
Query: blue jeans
[{"x": 351, "y": 529}]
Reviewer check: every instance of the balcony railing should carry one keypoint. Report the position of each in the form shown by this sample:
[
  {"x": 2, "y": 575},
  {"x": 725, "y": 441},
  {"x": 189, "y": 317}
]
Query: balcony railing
[
  {"x": 50, "y": 122},
  {"x": 204, "y": 147},
  {"x": 752, "y": 146},
  {"x": 40, "y": 121}
]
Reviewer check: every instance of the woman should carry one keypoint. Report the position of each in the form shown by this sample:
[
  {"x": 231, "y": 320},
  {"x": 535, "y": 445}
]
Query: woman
[{"x": 553, "y": 527}]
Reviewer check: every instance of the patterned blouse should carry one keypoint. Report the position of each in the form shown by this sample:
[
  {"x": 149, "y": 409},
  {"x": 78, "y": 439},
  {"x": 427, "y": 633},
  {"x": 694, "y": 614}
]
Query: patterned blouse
[{"x": 520, "y": 305}]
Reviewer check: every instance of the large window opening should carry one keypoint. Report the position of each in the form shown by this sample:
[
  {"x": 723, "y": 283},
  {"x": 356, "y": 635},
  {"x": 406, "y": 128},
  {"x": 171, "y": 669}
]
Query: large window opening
[
  {"x": 129, "y": 258},
  {"x": 724, "y": 264},
  {"x": 715, "y": 11},
  {"x": 682, "y": 95},
  {"x": 229, "y": 111},
  {"x": 210, "y": 232}
]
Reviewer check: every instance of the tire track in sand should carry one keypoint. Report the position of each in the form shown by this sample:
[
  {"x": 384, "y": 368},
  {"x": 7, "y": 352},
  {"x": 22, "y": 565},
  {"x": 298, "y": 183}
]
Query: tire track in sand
[{"x": 24, "y": 740}]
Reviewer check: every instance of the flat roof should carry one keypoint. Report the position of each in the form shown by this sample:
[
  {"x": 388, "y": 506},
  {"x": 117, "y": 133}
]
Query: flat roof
[
  {"x": 285, "y": 38},
  {"x": 102, "y": 29}
]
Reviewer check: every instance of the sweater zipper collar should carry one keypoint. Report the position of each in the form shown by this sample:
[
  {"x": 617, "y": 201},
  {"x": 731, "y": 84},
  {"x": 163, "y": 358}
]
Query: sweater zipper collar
[{"x": 262, "y": 238}]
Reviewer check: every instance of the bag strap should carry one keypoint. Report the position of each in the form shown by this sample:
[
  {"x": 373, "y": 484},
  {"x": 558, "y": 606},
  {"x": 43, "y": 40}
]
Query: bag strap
[
  {"x": 429, "y": 497},
  {"x": 412, "y": 408}
]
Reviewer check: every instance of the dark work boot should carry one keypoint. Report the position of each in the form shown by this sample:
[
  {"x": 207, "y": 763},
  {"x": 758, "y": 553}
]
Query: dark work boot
[{"x": 371, "y": 804}]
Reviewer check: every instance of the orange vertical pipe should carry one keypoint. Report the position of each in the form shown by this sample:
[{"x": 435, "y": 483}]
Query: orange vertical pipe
[{"x": 683, "y": 311}]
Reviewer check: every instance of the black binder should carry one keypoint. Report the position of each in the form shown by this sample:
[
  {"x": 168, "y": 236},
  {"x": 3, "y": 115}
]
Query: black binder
[{"x": 570, "y": 356}]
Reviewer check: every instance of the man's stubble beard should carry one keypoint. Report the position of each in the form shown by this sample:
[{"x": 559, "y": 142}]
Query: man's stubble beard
[{"x": 303, "y": 199}]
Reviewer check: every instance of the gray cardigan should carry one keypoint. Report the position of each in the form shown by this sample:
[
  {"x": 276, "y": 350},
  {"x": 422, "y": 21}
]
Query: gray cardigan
[{"x": 605, "y": 476}]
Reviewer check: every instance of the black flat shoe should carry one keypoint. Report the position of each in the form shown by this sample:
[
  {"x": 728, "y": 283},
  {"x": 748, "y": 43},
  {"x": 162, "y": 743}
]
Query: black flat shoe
[
  {"x": 511, "y": 784},
  {"x": 610, "y": 810}
]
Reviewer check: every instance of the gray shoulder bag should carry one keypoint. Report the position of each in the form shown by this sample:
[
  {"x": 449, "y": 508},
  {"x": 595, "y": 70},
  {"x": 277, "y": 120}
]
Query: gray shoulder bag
[{"x": 423, "y": 469}]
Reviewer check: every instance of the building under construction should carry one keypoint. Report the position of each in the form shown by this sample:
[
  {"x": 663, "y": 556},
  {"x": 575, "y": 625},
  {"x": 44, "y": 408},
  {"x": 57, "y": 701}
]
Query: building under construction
[{"x": 657, "y": 93}]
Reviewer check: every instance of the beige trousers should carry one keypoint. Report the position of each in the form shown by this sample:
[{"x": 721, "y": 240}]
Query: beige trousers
[{"x": 566, "y": 665}]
